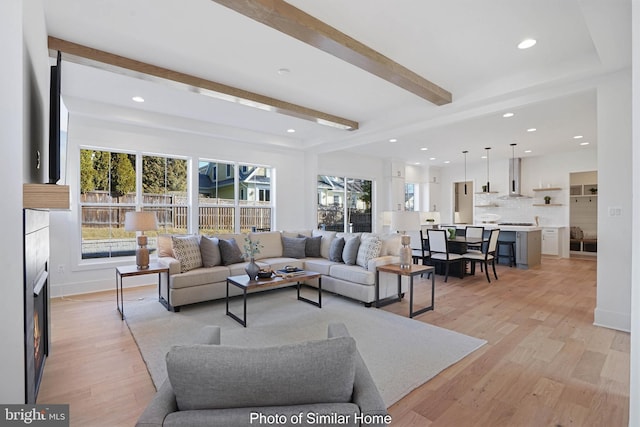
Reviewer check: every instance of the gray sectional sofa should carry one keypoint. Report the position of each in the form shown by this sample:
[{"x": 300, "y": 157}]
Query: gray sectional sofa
[
  {"x": 323, "y": 382},
  {"x": 200, "y": 265}
]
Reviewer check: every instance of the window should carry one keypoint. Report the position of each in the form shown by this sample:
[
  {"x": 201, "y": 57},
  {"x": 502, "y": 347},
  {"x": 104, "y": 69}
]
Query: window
[
  {"x": 220, "y": 211},
  {"x": 344, "y": 204},
  {"x": 164, "y": 191},
  {"x": 108, "y": 190},
  {"x": 410, "y": 197}
]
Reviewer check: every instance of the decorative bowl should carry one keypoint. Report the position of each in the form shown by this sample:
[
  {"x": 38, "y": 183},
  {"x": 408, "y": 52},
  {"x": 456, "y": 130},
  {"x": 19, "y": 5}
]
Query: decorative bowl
[{"x": 265, "y": 274}]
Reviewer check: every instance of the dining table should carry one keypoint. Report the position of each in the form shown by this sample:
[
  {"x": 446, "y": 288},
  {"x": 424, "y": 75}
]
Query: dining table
[{"x": 458, "y": 245}]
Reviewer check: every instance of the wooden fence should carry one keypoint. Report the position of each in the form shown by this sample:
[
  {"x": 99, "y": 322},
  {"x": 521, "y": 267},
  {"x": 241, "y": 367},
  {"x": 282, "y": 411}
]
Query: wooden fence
[{"x": 212, "y": 219}]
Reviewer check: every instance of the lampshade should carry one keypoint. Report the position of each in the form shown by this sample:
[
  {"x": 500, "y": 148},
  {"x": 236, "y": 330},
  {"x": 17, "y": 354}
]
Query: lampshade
[
  {"x": 405, "y": 221},
  {"x": 140, "y": 221},
  {"x": 386, "y": 218}
]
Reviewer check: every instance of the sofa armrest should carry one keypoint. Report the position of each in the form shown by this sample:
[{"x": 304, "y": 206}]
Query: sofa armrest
[
  {"x": 382, "y": 260},
  {"x": 172, "y": 263},
  {"x": 163, "y": 404},
  {"x": 365, "y": 392}
]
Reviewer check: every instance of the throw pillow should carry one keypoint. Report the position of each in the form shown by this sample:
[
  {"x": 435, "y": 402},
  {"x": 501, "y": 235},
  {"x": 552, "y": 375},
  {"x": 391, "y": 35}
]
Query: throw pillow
[
  {"x": 230, "y": 253},
  {"x": 312, "y": 246},
  {"x": 165, "y": 246},
  {"x": 369, "y": 249},
  {"x": 221, "y": 377},
  {"x": 293, "y": 247},
  {"x": 210, "y": 251},
  {"x": 335, "y": 250},
  {"x": 350, "y": 251},
  {"x": 187, "y": 251}
]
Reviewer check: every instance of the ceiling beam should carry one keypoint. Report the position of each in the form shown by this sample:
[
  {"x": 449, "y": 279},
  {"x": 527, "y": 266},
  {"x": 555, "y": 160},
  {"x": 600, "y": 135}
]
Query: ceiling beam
[
  {"x": 80, "y": 54},
  {"x": 292, "y": 21}
]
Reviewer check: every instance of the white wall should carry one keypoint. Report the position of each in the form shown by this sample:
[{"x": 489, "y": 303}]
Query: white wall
[
  {"x": 634, "y": 394},
  {"x": 23, "y": 122},
  {"x": 291, "y": 193},
  {"x": 613, "y": 306},
  {"x": 11, "y": 134}
]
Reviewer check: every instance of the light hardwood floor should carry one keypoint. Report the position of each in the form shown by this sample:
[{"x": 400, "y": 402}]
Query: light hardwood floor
[{"x": 545, "y": 363}]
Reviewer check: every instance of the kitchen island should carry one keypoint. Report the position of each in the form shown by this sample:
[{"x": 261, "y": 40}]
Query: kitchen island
[{"x": 527, "y": 241}]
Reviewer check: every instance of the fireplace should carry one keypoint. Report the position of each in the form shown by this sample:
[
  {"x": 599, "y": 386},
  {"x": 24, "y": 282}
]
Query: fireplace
[{"x": 36, "y": 298}]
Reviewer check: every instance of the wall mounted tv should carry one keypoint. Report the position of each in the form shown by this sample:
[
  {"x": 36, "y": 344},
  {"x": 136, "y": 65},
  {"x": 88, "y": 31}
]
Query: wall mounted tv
[{"x": 58, "y": 119}]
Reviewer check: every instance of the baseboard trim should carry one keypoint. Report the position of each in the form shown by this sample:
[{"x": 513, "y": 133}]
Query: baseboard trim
[{"x": 612, "y": 320}]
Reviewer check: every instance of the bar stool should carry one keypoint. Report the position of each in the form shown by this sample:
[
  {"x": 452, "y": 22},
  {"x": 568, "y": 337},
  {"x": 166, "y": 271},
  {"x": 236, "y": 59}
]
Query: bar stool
[{"x": 511, "y": 249}]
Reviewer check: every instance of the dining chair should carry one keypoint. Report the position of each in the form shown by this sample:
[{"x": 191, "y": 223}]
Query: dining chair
[
  {"x": 488, "y": 255},
  {"x": 418, "y": 250},
  {"x": 474, "y": 232},
  {"x": 439, "y": 251}
]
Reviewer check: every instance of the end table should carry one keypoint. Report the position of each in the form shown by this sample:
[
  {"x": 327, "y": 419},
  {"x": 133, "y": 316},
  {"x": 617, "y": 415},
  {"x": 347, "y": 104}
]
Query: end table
[
  {"x": 411, "y": 272},
  {"x": 132, "y": 270}
]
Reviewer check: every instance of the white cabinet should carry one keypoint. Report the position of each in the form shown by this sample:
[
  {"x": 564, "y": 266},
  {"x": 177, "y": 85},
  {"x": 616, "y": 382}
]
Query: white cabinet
[{"x": 550, "y": 241}]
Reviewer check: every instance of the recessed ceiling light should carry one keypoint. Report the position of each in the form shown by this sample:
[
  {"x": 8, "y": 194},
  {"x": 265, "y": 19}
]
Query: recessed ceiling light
[
  {"x": 291, "y": 130},
  {"x": 284, "y": 71},
  {"x": 393, "y": 140},
  {"x": 432, "y": 158},
  {"x": 584, "y": 143},
  {"x": 507, "y": 115},
  {"x": 483, "y": 157},
  {"x": 447, "y": 161},
  {"x": 527, "y": 151},
  {"x": 138, "y": 99},
  {"x": 578, "y": 137},
  {"x": 424, "y": 149},
  {"x": 527, "y": 43},
  {"x": 416, "y": 163},
  {"x": 532, "y": 130}
]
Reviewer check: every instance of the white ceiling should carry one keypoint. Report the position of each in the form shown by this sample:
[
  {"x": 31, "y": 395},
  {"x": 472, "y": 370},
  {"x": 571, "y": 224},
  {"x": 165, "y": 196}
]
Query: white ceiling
[{"x": 468, "y": 47}]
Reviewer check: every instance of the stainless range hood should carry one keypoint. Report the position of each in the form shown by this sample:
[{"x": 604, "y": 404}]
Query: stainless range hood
[{"x": 515, "y": 179}]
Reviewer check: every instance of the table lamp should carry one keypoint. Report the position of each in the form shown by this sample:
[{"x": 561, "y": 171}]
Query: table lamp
[
  {"x": 141, "y": 221},
  {"x": 403, "y": 221}
]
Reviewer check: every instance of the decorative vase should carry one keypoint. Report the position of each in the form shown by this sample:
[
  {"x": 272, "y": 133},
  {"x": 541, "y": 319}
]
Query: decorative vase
[{"x": 252, "y": 269}]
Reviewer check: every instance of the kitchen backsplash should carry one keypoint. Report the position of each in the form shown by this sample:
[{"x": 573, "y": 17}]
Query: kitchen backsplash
[{"x": 522, "y": 210}]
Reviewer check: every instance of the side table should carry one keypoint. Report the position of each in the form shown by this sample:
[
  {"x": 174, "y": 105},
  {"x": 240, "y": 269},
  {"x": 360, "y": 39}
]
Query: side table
[
  {"x": 132, "y": 270},
  {"x": 411, "y": 272}
]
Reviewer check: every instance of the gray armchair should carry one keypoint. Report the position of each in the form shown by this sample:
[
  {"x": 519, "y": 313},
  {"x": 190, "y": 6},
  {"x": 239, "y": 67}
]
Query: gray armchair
[{"x": 323, "y": 382}]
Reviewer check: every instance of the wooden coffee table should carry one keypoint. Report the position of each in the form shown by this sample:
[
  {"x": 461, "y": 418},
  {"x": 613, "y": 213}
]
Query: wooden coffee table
[{"x": 245, "y": 285}]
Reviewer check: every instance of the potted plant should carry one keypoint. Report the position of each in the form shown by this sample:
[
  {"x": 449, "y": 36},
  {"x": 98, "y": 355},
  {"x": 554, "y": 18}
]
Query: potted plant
[
  {"x": 251, "y": 249},
  {"x": 547, "y": 200}
]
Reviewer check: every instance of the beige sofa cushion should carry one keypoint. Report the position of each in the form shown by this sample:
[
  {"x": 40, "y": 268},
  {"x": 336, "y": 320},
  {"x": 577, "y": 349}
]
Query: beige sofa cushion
[
  {"x": 271, "y": 243},
  {"x": 200, "y": 276},
  {"x": 353, "y": 273},
  {"x": 327, "y": 238}
]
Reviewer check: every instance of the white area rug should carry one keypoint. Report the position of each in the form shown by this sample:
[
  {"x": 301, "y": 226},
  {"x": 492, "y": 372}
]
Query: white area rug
[{"x": 401, "y": 353}]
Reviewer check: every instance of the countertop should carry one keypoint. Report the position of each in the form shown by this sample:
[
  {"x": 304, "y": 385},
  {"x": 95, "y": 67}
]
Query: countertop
[{"x": 490, "y": 226}]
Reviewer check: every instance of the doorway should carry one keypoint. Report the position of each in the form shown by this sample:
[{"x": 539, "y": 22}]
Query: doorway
[
  {"x": 463, "y": 202},
  {"x": 583, "y": 213}
]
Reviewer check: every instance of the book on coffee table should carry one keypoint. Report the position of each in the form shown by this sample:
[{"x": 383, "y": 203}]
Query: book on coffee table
[{"x": 290, "y": 272}]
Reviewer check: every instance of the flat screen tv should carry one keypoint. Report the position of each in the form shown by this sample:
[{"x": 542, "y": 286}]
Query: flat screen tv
[{"x": 58, "y": 117}]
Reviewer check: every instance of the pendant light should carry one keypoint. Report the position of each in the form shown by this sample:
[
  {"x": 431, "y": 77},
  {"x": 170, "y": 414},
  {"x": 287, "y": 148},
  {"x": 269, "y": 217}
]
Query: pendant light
[
  {"x": 512, "y": 168},
  {"x": 465, "y": 171},
  {"x": 488, "y": 184}
]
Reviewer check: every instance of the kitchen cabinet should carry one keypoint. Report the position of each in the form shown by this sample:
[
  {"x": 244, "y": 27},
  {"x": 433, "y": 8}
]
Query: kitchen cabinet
[
  {"x": 550, "y": 241},
  {"x": 528, "y": 246}
]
